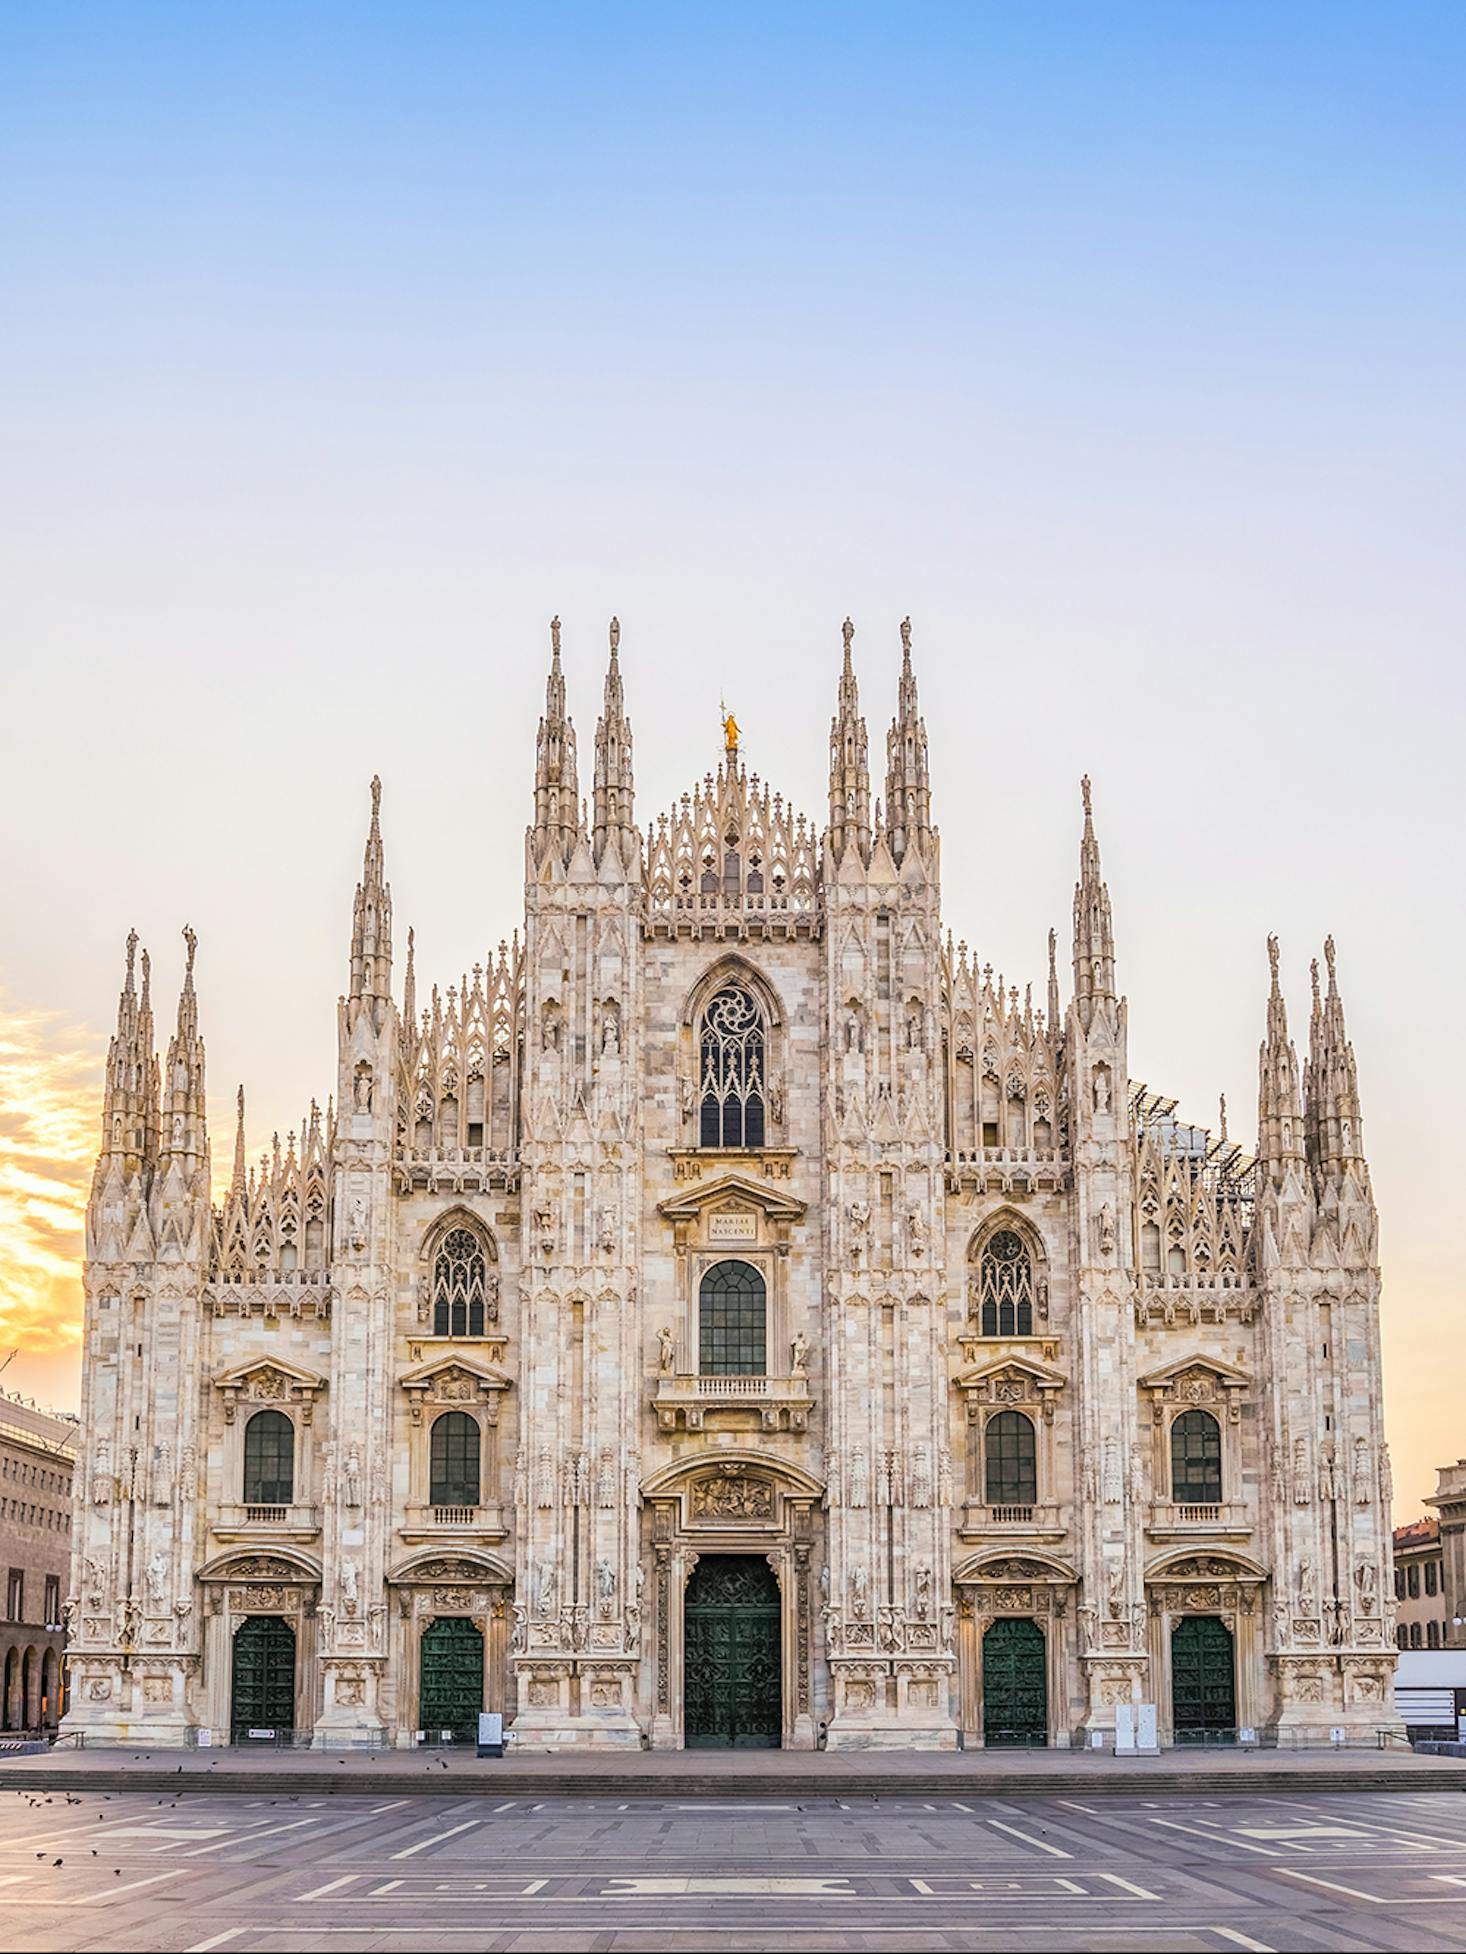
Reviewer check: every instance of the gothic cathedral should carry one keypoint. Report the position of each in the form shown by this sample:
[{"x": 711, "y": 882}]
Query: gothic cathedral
[{"x": 731, "y": 1316}]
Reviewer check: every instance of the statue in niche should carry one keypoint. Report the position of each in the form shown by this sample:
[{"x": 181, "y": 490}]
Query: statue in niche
[
  {"x": 1112, "y": 1481},
  {"x": 357, "y": 1230},
  {"x": 1307, "y": 1600},
  {"x": 666, "y": 1351},
  {"x": 859, "y": 1477},
  {"x": 163, "y": 1476},
  {"x": 1365, "y": 1577},
  {"x": 1328, "y": 1476},
  {"x": 1302, "y": 1490},
  {"x": 1106, "y": 1231},
  {"x": 860, "y": 1593},
  {"x": 157, "y": 1576},
  {"x": 546, "y": 1587},
  {"x": 1363, "y": 1491},
  {"x": 351, "y": 1477},
  {"x": 916, "y": 1232},
  {"x": 799, "y": 1355},
  {"x": 102, "y": 1477},
  {"x": 1101, "y": 1089},
  {"x": 923, "y": 1603},
  {"x": 349, "y": 1585},
  {"x": 606, "y": 1233},
  {"x": 605, "y": 1588},
  {"x": 361, "y": 1089},
  {"x": 859, "y": 1213},
  {"x": 550, "y": 1026}
]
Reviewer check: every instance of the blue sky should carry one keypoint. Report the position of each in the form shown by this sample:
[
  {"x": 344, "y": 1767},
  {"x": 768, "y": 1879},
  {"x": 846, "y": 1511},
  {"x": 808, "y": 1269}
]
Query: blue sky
[{"x": 1122, "y": 346}]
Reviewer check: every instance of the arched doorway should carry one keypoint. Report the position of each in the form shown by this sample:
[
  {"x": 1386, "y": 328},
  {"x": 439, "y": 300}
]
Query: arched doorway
[
  {"x": 451, "y": 1690},
  {"x": 1015, "y": 1690},
  {"x": 732, "y": 1679},
  {"x": 1203, "y": 1681},
  {"x": 262, "y": 1706},
  {"x": 50, "y": 1690}
]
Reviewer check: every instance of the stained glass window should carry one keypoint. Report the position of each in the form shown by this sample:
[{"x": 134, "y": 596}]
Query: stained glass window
[
  {"x": 459, "y": 1278},
  {"x": 731, "y": 1071},
  {"x": 1006, "y": 1286}
]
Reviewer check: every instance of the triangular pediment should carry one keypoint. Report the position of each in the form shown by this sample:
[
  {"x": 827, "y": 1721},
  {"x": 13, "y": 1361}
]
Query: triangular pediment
[
  {"x": 1017, "y": 1364},
  {"x": 266, "y": 1371},
  {"x": 1196, "y": 1360},
  {"x": 452, "y": 1367},
  {"x": 732, "y": 1192}
]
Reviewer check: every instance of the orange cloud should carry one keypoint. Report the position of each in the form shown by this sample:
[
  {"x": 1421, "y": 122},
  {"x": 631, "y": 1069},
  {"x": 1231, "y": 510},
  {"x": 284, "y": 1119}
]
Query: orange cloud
[{"x": 50, "y": 1093}]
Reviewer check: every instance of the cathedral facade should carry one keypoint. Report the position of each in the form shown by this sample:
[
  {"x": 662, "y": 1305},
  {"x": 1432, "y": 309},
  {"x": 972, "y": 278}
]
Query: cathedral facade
[{"x": 732, "y": 1316}]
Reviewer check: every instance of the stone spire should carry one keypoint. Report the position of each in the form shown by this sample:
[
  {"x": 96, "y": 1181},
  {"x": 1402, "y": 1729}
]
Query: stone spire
[
  {"x": 1055, "y": 1017},
  {"x": 1094, "y": 936},
  {"x": 371, "y": 923},
  {"x": 1331, "y": 1083},
  {"x": 849, "y": 766},
  {"x": 185, "y": 1122},
  {"x": 237, "y": 1178},
  {"x": 130, "y": 1102},
  {"x": 409, "y": 988},
  {"x": 556, "y": 793},
  {"x": 1279, "y": 1108},
  {"x": 613, "y": 818},
  {"x": 908, "y": 783}
]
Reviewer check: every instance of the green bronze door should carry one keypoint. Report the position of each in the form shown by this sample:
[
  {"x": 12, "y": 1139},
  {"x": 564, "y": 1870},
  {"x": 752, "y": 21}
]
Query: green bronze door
[
  {"x": 451, "y": 1693},
  {"x": 263, "y": 1684},
  {"x": 731, "y": 1668},
  {"x": 1015, "y": 1689},
  {"x": 1203, "y": 1686}
]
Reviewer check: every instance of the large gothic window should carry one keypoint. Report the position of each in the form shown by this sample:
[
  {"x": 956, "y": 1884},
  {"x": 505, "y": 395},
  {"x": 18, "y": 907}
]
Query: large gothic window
[
  {"x": 269, "y": 1460},
  {"x": 1196, "y": 1460},
  {"x": 731, "y": 1081},
  {"x": 459, "y": 1280},
  {"x": 1011, "y": 1460},
  {"x": 453, "y": 1469},
  {"x": 1005, "y": 1286},
  {"x": 732, "y": 1316}
]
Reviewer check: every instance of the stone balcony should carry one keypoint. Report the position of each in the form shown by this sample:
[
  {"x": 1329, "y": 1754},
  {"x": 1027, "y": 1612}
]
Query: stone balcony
[
  {"x": 980, "y": 1521},
  {"x": 255, "y": 1522},
  {"x": 453, "y": 1524},
  {"x": 1187, "y": 1520},
  {"x": 770, "y": 1404},
  {"x": 453, "y": 1170},
  {"x": 1189, "y": 1300},
  {"x": 1008, "y": 1170}
]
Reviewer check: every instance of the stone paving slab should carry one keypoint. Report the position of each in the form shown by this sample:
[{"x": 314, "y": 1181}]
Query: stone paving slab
[{"x": 739, "y": 1774}]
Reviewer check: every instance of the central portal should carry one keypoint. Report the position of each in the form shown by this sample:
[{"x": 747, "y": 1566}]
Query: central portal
[{"x": 732, "y": 1683}]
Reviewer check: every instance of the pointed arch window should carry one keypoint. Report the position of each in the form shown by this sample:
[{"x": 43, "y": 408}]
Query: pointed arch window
[
  {"x": 269, "y": 1460},
  {"x": 1005, "y": 1286},
  {"x": 732, "y": 1055},
  {"x": 1196, "y": 1460},
  {"x": 460, "y": 1284}
]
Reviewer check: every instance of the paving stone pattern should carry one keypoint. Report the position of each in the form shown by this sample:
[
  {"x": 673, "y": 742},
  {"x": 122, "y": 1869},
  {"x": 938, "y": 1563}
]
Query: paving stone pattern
[{"x": 262, "y": 1875}]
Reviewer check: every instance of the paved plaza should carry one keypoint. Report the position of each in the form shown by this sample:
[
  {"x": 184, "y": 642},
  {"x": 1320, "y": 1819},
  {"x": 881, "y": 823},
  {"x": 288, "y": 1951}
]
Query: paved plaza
[{"x": 270, "y": 1873}]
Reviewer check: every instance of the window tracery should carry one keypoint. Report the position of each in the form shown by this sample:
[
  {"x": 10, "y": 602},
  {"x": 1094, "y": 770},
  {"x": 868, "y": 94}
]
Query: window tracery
[
  {"x": 1005, "y": 1286},
  {"x": 731, "y": 1070},
  {"x": 460, "y": 1285}
]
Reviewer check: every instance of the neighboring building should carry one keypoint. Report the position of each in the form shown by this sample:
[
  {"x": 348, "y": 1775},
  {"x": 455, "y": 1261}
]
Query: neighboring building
[
  {"x": 37, "y": 1457},
  {"x": 734, "y": 1315},
  {"x": 1420, "y": 1620},
  {"x": 1449, "y": 1500}
]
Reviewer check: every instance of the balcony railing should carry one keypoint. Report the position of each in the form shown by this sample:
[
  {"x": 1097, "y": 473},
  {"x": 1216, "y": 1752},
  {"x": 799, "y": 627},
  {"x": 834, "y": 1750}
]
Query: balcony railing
[
  {"x": 455, "y": 1516},
  {"x": 269, "y": 1516},
  {"x": 1039, "y": 1517},
  {"x": 249, "y": 1520},
  {"x": 783, "y": 1403},
  {"x": 1199, "y": 1519}
]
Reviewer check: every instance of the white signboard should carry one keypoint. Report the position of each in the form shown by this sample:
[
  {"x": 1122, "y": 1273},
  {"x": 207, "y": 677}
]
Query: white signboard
[
  {"x": 733, "y": 1227},
  {"x": 490, "y": 1727},
  {"x": 1124, "y": 1727}
]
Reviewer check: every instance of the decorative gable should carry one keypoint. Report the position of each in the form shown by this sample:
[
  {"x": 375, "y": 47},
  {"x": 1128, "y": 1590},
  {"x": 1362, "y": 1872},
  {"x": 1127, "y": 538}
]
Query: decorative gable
[
  {"x": 454, "y": 1380},
  {"x": 269, "y": 1381}
]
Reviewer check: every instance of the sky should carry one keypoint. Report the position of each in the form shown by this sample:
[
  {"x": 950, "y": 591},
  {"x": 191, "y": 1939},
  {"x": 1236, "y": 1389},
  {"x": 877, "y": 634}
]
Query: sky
[{"x": 1123, "y": 347}]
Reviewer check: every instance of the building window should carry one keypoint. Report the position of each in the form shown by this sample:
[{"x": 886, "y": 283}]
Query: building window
[
  {"x": 460, "y": 1278},
  {"x": 1402, "y": 1637},
  {"x": 269, "y": 1460},
  {"x": 1005, "y": 1286},
  {"x": 53, "y": 1600},
  {"x": 15, "y": 1595},
  {"x": 454, "y": 1467},
  {"x": 1196, "y": 1460},
  {"x": 1412, "y": 1581},
  {"x": 731, "y": 1071},
  {"x": 1415, "y": 1635},
  {"x": 1432, "y": 1578},
  {"x": 1399, "y": 1584},
  {"x": 1432, "y": 1635},
  {"x": 1010, "y": 1460},
  {"x": 732, "y": 1316}
]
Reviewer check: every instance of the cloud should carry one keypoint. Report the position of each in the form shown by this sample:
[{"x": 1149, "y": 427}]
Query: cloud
[{"x": 50, "y": 1094}]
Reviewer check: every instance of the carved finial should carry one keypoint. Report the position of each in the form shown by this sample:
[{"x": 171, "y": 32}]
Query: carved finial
[
  {"x": 1313, "y": 978},
  {"x": 1224, "y": 1118},
  {"x": 730, "y": 733},
  {"x": 847, "y": 632},
  {"x": 555, "y": 639},
  {"x": 1272, "y": 959},
  {"x": 906, "y": 640},
  {"x": 192, "y": 942},
  {"x": 1328, "y": 957},
  {"x": 1053, "y": 954},
  {"x": 1084, "y": 793},
  {"x": 615, "y": 635},
  {"x": 376, "y": 795},
  {"x": 147, "y": 977}
]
